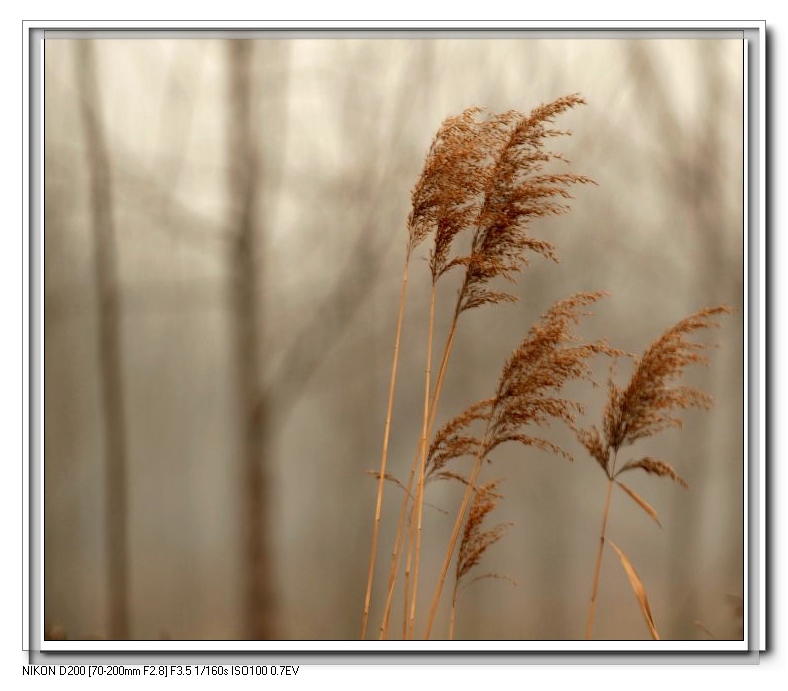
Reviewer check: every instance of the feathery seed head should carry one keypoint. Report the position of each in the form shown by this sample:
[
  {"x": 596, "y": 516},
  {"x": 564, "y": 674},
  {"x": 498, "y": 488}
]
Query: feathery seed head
[{"x": 651, "y": 400}]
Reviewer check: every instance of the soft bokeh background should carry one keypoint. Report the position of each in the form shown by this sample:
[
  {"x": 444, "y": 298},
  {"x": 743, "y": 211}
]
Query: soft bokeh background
[{"x": 225, "y": 230}]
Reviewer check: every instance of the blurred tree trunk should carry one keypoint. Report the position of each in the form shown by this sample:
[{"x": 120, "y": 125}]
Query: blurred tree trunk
[
  {"x": 110, "y": 348},
  {"x": 245, "y": 186}
]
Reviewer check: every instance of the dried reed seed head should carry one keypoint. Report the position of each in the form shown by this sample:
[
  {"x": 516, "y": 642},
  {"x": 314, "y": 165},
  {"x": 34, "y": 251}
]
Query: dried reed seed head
[
  {"x": 485, "y": 174},
  {"x": 654, "y": 466},
  {"x": 451, "y": 441},
  {"x": 517, "y": 193},
  {"x": 649, "y": 402},
  {"x": 476, "y": 541},
  {"x": 549, "y": 357},
  {"x": 449, "y": 180},
  {"x": 446, "y": 449},
  {"x": 591, "y": 439},
  {"x": 460, "y": 195},
  {"x": 543, "y": 360},
  {"x": 450, "y": 475}
]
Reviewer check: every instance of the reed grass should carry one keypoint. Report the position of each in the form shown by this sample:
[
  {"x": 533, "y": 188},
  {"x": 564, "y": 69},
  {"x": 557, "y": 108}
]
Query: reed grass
[
  {"x": 484, "y": 176},
  {"x": 649, "y": 404},
  {"x": 528, "y": 396},
  {"x": 489, "y": 178}
]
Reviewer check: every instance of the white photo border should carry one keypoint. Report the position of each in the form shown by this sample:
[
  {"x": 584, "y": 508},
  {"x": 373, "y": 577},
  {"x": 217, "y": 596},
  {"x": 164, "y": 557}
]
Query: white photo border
[{"x": 753, "y": 34}]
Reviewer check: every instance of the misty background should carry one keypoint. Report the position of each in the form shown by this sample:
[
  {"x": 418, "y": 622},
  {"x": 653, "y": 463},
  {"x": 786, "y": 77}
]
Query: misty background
[{"x": 225, "y": 226}]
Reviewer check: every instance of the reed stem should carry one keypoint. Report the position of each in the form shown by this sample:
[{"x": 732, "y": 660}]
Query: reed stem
[
  {"x": 425, "y": 432},
  {"x": 396, "y": 554},
  {"x": 598, "y": 566},
  {"x": 455, "y": 534},
  {"x": 384, "y": 456}
]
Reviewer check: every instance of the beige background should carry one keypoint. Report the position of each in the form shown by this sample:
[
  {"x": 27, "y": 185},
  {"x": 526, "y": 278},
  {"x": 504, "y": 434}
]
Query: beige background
[{"x": 342, "y": 129}]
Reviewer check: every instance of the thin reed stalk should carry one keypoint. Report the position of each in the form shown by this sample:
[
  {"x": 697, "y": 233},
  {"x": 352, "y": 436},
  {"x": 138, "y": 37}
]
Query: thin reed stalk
[
  {"x": 384, "y": 456},
  {"x": 453, "y": 612},
  {"x": 455, "y": 533},
  {"x": 396, "y": 556},
  {"x": 436, "y": 189},
  {"x": 419, "y": 506},
  {"x": 442, "y": 201},
  {"x": 398, "y": 549},
  {"x": 598, "y": 566},
  {"x": 406, "y": 579}
]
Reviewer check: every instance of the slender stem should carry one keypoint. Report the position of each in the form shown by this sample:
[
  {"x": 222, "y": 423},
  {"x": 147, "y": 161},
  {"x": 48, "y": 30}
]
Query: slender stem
[
  {"x": 396, "y": 553},
  {"x": 425, "y": 432},
  {"x": 452, "y": 544},
  {"x": 408, "y": 563},
  {"x": 453, "y": 613},
  {"x": 384, "y": 457},
  {"x": 466, "y": 500},
  {"x": 441, "y": 374},
  {"x": 598, "y": 567}
]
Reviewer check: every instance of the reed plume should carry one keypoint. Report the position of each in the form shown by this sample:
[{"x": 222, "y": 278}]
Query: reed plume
[
  {"x": 476, "y": 541},
  {"x": 438, "y": 199},
  {"x": 484, "y": 174},
  {"x": 518, "y": 192},
  {"x": 509, "y": 189},
  {"x": 646, "y": 406},
  {"x": 528, "y": 396}
]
